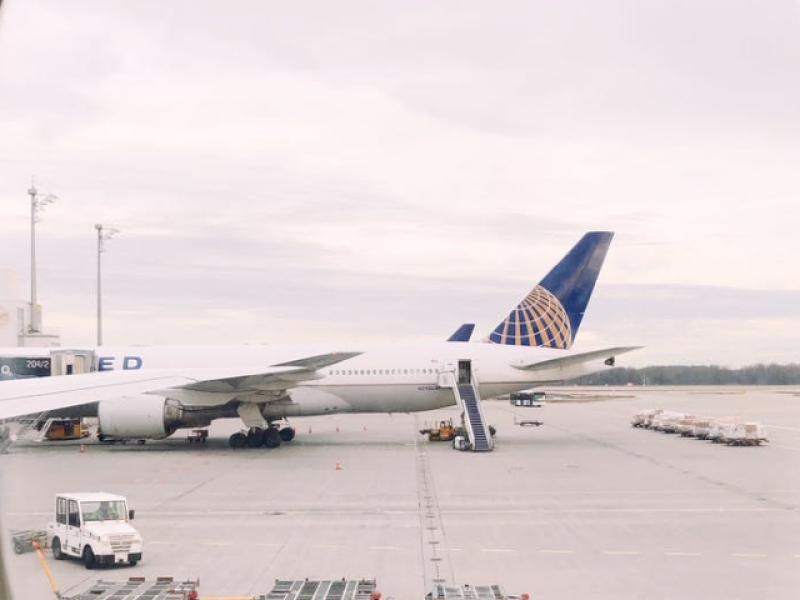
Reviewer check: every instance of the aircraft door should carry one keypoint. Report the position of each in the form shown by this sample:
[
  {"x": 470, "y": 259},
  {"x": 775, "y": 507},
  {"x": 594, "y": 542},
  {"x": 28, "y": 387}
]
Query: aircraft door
[
  {"x": 73, "y": 536},
  {"x": 447, "y": 374},
  {"x": 464, "y": 372}
]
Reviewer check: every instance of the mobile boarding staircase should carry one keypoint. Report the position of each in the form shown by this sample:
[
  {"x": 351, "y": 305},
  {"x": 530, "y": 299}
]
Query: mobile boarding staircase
[{"x": 465, "y": 388}]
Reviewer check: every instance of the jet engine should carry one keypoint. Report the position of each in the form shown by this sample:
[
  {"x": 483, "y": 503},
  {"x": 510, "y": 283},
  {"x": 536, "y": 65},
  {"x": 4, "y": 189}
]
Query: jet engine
[{"x": 138, "y": 417}]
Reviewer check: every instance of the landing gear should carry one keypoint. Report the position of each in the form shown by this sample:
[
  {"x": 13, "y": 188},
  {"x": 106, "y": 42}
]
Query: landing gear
[
  {"x": 272, "y": 438},
  {"x": 256, "y": 437},
  {"x": 238, "y": 440}
]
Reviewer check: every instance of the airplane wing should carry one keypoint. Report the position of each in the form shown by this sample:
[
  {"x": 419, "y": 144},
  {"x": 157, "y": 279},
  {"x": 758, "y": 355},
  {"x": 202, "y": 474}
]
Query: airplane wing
[
  {"x": 576, "y": 359},
  {"x": 30, "y": 396}
]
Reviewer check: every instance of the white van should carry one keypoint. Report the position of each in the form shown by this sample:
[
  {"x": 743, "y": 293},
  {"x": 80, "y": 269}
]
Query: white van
[{"x": 94, "y": 527}]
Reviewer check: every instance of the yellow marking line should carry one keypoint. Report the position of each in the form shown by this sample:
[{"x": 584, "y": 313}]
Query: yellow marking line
[{"x": 384, "y": 548}]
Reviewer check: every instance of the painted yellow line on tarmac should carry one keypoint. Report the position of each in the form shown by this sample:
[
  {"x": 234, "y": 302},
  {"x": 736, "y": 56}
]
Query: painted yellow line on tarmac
[{"x": 384, "y": 548}]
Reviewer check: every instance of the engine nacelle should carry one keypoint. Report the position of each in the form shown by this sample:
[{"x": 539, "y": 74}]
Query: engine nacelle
[{"x": 141, "y": 416}]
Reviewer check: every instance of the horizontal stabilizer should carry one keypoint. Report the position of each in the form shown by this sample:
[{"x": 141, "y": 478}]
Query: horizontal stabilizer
[{"x": 576, "y": 359}]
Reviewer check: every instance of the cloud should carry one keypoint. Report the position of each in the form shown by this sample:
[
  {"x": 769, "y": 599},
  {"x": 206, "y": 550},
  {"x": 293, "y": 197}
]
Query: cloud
[{"x": 321, "y": 168}]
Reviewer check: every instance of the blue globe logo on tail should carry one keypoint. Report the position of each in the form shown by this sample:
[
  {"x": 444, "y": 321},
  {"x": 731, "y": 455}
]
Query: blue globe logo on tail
[
  {"x": 539, "y": 320},
  {"x": 550, "y": 316}
]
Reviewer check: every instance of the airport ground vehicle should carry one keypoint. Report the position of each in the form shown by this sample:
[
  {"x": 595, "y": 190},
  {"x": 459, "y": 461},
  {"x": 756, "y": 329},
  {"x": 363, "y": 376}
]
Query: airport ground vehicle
[
  {"x": 532, "y": 399},
  {"x": 666, "y": 421},
  {"x": 744, "y": 434},
  {"x": 443, "y": 431},
  {"x": 94, "y": 527},
  {"x": 66, "y": 429},
  {"x": 644, "y": 418},
  {"x": 703, "y": 428},
  {"x": 22, "y": 539}
]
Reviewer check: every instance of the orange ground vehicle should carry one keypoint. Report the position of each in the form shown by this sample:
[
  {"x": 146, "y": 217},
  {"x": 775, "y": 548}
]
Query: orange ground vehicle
[
  {"x": 442, "y": 431},
  {"x": 67, "y": 429}
]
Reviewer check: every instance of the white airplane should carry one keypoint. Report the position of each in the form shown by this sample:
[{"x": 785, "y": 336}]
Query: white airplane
[{"x": 150, "y": 392}]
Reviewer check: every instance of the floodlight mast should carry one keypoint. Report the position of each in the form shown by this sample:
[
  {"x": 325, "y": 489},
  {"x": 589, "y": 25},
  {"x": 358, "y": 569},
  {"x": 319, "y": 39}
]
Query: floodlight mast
[
  {"x": 103, "y": 235},
  {"x": 38, "y": 203}
]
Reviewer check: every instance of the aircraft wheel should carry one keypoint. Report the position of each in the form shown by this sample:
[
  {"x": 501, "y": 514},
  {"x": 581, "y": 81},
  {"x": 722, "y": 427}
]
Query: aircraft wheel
[
  {"x": 238, "y": 440},
  {"x": 57, "y": 553},
  {"x": 287, "y": 434},
  {"x": 89, "y": 560},
  {"x": 272, "y": 438},
  {"x": 255, "y": 438}
]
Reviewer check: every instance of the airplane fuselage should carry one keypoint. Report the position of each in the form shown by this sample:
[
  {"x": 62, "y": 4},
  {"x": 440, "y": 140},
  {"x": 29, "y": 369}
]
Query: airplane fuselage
[{"x": 395, "y": 378}]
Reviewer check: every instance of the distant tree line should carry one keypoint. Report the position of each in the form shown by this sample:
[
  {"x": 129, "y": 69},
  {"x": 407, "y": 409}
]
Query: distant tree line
[{"x": 696, "y": 375}]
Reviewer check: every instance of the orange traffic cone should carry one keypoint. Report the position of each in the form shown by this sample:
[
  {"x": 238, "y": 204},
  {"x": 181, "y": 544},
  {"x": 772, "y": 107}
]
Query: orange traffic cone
[{"x": 338, "y": 466}]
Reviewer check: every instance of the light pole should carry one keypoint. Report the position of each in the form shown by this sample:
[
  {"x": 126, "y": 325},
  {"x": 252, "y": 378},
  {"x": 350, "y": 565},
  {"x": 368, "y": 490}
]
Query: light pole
[
  {"x": 103, "y": 234},
  {"x": 38, "y": 203}
]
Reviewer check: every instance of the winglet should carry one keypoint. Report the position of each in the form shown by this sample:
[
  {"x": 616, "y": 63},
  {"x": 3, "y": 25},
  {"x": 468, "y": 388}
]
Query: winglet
[{"x": 550, "y": 315}]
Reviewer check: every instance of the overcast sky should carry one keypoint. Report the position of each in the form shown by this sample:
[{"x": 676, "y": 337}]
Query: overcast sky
[{"x": 347, "y": 172}]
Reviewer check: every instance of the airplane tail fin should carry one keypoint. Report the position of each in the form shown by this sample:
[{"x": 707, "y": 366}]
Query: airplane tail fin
[
  {"x": 550, "y": 315},
  {"x": 463, "y": 333}
]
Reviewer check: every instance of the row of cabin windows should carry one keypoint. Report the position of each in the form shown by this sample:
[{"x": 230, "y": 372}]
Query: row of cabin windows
[{"x": 381, "y": 372}]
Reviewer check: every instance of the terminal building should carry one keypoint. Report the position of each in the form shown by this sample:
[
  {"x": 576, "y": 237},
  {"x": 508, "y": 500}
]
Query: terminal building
[{"x": 16, "y": 331}]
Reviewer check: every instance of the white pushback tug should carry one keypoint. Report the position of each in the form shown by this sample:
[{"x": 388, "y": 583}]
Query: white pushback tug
[{"x": 94, "y": 527}]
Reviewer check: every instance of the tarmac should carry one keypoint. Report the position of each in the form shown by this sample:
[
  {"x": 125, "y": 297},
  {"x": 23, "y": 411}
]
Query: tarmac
[{"x": 584, "y": 506}]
